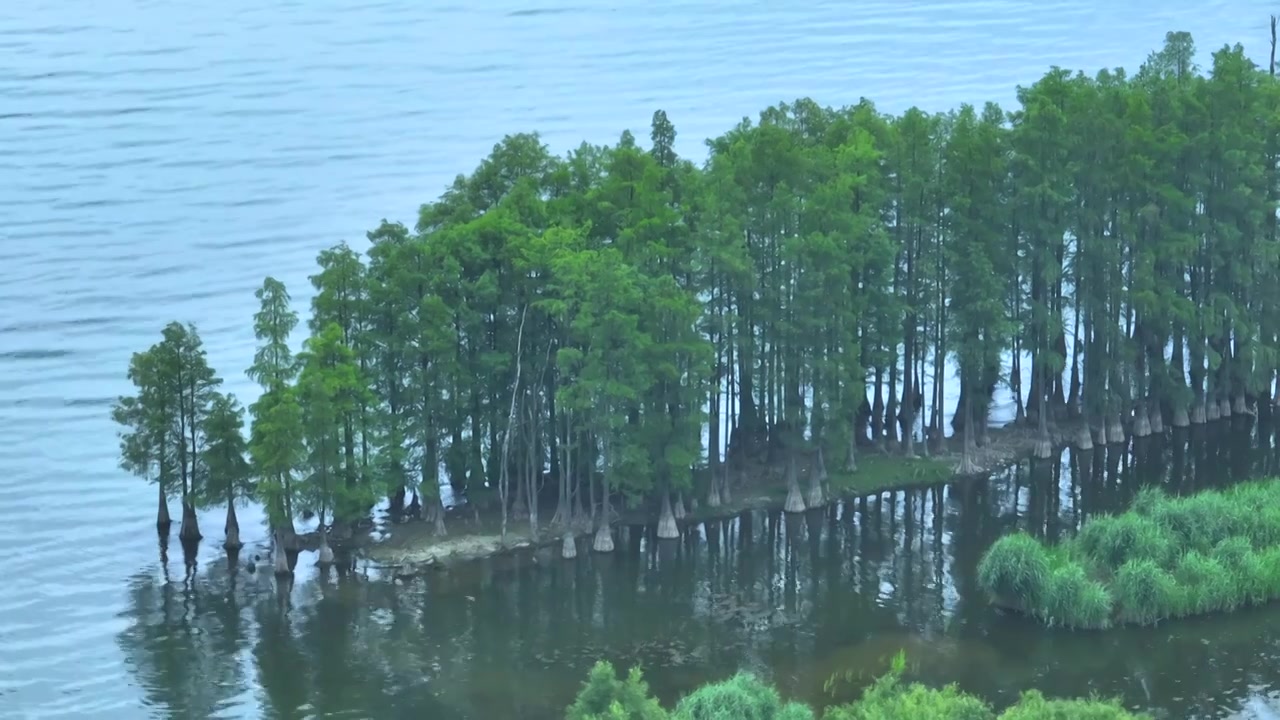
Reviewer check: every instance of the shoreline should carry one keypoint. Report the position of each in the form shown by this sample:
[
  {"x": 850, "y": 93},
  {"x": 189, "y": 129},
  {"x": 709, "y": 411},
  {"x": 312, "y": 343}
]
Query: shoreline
[{"x": 410, "y": 549}]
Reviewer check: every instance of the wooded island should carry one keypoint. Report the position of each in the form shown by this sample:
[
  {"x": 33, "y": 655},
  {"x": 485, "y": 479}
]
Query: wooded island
[{"x": 571, "y": 327}]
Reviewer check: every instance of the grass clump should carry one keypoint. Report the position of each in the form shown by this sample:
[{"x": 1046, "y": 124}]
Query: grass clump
[
  {"x": 1016, "y": 570},
  {"x": 1034, "y": 706},
  {"x": 1073, "y": 600},
  {"x": 1166, "y": 557},
  {"x": 741, "y": 697}
]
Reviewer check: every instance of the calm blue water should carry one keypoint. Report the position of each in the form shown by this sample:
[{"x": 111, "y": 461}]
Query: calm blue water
[{"x": 158, "y": 158}]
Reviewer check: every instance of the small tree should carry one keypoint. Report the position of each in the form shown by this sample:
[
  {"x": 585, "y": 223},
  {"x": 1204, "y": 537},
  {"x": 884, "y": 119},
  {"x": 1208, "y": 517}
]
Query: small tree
[
  {"x": 230, "y": 476},
  {"x": 607, "y": 697}
]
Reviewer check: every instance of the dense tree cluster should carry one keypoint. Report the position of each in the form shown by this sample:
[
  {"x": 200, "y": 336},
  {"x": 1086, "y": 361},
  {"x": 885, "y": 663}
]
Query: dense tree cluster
[{"x": 596, "y": 326}]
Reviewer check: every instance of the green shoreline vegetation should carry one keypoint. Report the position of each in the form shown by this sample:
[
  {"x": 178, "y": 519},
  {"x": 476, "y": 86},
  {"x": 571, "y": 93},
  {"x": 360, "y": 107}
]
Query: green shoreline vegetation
[
  {"x": 605, "y": 696},
  {"x": 1215, "y": 551},
  {"x": 555, "y": 334}
]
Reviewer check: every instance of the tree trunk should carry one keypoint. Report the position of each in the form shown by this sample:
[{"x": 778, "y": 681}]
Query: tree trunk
[
  {"x": 1141, "y": 421},
  {"x": 231, "y": 529},
  {"x": 678, "y": 509},
  {"x": 967, "y": 465},
  {"x": 280, "y": 557},
  {"x": 817, "y": 477},
  {"x": 1155, "y": 418},
  {"x": 163, "y": 522},
  {"x": 325, "y": 558},
  {"x": 851, "y": 462},
  {"x": 667, "y": 528},
  {"x": 1084, "y": 441},
  {"x": 190, "y": 531},
  {"x": 1115, "y": 430},
  {"x": 713, "y": 487},
  {"x": 568, "y": 546},
  {"x": 794, "y": 503}
]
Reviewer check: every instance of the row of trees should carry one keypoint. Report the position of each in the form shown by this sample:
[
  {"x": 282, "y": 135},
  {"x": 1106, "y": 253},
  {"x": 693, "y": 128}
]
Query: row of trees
[{"x": 573, "y": 326}]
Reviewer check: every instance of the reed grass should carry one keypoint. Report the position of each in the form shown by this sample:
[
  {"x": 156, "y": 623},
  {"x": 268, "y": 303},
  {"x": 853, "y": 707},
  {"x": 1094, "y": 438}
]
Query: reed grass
[{"x": 1167, "y": 557}]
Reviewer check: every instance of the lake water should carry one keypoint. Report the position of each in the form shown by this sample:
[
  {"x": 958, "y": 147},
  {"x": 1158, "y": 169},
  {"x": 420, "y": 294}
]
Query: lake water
[{"x": 157, "y": 159}]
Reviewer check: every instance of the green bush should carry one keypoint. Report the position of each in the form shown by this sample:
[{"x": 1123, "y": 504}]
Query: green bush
[
  {"x": 893, "y": 701},
  {"x": 605, "y": 697},
  {"x": 1201, "y": 521},
  {"x": 1205, "y": 584},
  {"x": 1112, "y": 541},
  {"x": 1166, "y": 557},
  {"x": 1034, "y": 706},
  {"x": 1015, "y": 569},
  {"x": 1145, "y": 593},
  {"x": 1148, "y": 499},
  {"x": 741, "y": 697},
  {"x": 1073, "y": 600}
]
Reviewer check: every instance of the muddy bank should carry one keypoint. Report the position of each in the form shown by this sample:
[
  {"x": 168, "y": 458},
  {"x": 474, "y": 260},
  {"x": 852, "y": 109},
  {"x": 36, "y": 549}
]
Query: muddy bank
[{"x": 411, "y": 548}]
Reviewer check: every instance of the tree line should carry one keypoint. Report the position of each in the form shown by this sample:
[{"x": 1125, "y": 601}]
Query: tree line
[{"x": 593, "y": 328}]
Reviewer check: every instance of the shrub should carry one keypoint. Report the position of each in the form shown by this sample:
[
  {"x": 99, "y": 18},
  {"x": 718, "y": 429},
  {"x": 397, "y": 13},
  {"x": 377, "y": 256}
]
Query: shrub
[
  {"x": 1112, "y": 541},
  {"x": 1015, "y": 569},
  {"x": 1201, "y": 521},
  {"x": 605, "y": 697},
  {"x": 1073, "y": 600},
  {"x": 741, "y": 697},
  {"x": 1232, "y": 551},
  {"x": 1147, "y": 500},
  {"x": 894, "y": 701},
  {"x": 1034, "y": 706},
  {"x": 1205, "y": 585},
  {"x": 1144, "y": 592}
]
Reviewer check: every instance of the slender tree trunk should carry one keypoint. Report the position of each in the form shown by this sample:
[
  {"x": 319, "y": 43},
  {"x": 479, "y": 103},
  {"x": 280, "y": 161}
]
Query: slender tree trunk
[
  {"x": 231, "y": 528},
  {"x": 162, "y": 514}
]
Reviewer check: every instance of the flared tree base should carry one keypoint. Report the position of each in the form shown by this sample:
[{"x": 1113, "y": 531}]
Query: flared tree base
[
  {"x": 568, "y": 547},
  {"x": 794, "y": 503},
  {"x": 1155, "y": 419},
  {"x": 604, "y": 540},
  {"x": 1084, "y": 439}
]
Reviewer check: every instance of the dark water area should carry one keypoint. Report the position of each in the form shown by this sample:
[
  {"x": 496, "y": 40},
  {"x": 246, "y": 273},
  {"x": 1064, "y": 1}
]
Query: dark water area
[{"x": 798, "y": 599}]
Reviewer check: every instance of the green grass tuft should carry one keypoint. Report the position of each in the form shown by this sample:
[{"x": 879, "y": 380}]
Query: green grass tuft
[
  {"x": 1167, "y": 557},
  {"x": 1016, "y": 569}
]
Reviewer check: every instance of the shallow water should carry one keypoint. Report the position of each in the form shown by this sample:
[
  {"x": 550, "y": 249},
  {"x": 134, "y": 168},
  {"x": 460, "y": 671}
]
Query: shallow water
[
  {"x": 157, "y": 159},
  {"x": 798, "y": 599}
]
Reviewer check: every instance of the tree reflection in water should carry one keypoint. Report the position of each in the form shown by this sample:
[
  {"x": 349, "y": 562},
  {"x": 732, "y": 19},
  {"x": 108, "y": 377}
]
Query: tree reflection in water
[{"x": 835, "y": 591}]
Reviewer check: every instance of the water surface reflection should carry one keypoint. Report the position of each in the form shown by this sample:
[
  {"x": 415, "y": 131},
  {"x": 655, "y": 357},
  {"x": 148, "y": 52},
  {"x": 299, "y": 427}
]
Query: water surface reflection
[{"x": 797, "y": 598}]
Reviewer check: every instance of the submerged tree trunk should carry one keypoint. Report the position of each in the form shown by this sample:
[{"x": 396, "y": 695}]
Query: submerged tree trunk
[
  {"x": 231, "y": 529},
  {"x": 794, "y": 503},
  {"x": 667, "y": 528},
  {"x": 280, "y": 556},
  {"x": 190, "y": 531},
  {"x": 678, "y": 509},
  {"x": 967, "y": 466},
  {"x": 817, "y": 481},
  {"x": 163, "y": 523},
  {"x": 568, "y": 546},
  {"x": 604, "y": 536},
  {"x": 325, "y": 558},
  {"x": 713, "y": 487},
  {"x": 1141, "y": 421}
]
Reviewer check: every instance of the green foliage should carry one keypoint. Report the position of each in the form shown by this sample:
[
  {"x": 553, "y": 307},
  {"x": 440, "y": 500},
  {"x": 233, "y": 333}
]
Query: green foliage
[
  {"x": 1034, "y": 706},
  {"x": 1166, "y": 558},
  {"x": 1073, "y": 600},
  {"x": 742, "y": 697},
  {"x": 1016, "y": 569},
  {"x": 225, "y": 453},
  {"x": 164, "y": 428},
  {"x": 1109, "y": 542},
  {"x": 1206, "y": 585},
  {"x": 605, "y": 696}
]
